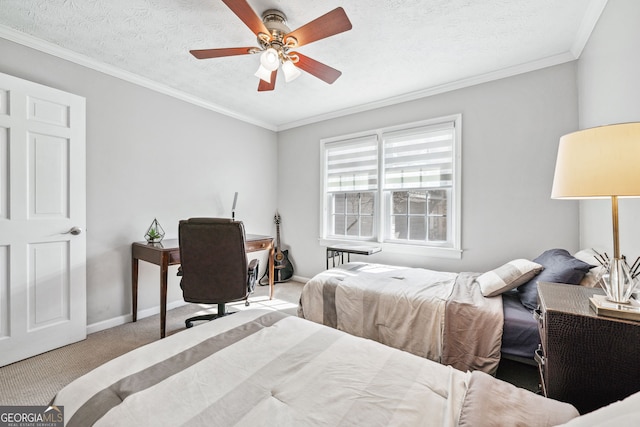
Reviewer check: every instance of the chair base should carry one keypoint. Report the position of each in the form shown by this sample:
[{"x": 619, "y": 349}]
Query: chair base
[{"x": 222, "y": 311}]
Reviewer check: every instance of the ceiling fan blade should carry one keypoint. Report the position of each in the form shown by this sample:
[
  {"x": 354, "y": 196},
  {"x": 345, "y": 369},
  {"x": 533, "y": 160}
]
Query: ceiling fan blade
[
  {"x": 217, "y": 53},
  {"x": 247, "y": 15},
  {"x": 264, "y": 86},
  {"x": 327, "y": 25},
  {"x": 318, "y": 69}
]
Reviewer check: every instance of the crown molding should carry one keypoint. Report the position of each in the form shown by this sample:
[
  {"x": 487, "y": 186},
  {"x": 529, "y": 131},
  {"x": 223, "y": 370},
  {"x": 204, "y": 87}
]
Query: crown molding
[
  {"x": 436, "y": 90},
  {"x": 66, "y": 54},
  {"x": 587, "y": 26},
  {"x": 589, "y": 21}
]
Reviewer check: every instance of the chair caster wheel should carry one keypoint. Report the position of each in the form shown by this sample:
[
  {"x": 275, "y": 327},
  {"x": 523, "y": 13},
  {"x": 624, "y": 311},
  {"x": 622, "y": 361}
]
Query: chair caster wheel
[
  {"x": 246, "y": 303},
  {"x": 188, "y": 324}
]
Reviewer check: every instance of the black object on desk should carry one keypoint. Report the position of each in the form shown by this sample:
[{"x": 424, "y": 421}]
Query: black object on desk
[{"x": 334, "y": 251}]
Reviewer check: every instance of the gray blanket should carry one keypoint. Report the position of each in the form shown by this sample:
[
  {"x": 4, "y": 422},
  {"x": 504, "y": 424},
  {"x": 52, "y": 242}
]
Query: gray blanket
[{"x": 441, "y": 316}]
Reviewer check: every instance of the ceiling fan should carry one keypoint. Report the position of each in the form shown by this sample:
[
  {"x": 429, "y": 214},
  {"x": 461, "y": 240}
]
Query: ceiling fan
[{"x": 277, "y": 41}]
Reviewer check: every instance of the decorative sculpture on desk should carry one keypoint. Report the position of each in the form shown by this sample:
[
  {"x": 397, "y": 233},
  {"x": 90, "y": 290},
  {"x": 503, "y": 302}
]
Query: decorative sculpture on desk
[{"x": 155, "y": 233}]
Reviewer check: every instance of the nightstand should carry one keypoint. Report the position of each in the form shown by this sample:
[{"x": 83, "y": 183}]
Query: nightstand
[{"x": 585, "y": 359}]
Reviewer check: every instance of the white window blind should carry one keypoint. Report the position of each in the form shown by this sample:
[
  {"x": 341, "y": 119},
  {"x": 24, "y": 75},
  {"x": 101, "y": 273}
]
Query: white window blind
[
  {"x": 352, "y": 165},
  {"x": 419, "y": 158}
]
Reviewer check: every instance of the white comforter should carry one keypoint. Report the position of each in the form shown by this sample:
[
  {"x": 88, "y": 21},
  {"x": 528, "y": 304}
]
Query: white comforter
[{"x": 263, "y": 368}]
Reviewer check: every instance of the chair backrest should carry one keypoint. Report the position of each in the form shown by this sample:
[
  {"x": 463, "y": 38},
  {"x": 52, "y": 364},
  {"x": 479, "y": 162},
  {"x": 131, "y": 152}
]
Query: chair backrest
[{"x": 213, "y": 260}]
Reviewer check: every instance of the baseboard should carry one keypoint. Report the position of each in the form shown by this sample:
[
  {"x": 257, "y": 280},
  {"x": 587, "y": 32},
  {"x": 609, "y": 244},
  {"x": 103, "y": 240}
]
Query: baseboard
[
  {"x": 300, "y": 279},
  {"x": 121, "y": 320}
]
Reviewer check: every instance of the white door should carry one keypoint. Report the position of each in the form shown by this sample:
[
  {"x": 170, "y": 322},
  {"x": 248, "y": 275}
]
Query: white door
[{"x": 42, "y": 197}]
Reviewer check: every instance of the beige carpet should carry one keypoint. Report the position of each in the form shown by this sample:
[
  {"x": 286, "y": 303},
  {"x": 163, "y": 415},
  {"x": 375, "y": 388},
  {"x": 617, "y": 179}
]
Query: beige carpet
[{"x": 36, "y": 380}]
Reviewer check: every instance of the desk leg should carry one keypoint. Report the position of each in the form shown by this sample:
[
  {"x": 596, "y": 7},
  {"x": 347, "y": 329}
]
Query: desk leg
[
  {"x": 134, "y": 288},
  {"x": 164, "y": 269},
  {"x": 271, "y": 271}
]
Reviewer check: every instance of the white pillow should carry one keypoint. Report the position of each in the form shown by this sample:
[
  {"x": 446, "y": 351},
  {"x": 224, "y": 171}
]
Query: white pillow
[
  {"x": 593, "y": 276},
  {"x": 508, "y": 276}
]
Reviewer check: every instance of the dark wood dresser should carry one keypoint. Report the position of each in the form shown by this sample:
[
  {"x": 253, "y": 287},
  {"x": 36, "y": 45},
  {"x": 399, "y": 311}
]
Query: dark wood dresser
[{"x": 585, "y": 359}]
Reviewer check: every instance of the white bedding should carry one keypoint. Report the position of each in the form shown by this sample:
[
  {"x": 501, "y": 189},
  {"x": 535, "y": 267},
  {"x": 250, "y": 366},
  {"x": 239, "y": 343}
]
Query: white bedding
[
  {"x": 264, "y": 368},
  {"x": 441, "y": 316}
]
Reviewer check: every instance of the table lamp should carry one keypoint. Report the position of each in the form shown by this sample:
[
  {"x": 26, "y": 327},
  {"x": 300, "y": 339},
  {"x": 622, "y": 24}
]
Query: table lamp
[{"x": 602, "y": 162}]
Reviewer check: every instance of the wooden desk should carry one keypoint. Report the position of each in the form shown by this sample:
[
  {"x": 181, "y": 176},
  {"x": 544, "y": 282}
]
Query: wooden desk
[{"x": 167, "y": 253}]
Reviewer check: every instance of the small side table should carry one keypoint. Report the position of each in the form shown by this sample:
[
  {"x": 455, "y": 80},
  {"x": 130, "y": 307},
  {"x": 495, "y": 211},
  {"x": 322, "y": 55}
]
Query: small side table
[
  {"x": 585, "y": 359},
  {"x": 339, "y": 251}
]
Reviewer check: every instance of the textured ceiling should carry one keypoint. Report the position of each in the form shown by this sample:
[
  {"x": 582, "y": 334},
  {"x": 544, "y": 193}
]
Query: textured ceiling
[{"x": 397, "y": 49}]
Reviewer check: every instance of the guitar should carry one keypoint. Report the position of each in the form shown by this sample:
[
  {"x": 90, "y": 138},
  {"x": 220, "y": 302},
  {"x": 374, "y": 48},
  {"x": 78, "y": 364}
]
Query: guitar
[{"x": 282, "y": 267}]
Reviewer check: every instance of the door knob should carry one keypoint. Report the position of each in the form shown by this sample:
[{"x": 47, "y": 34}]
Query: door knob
[{"x": 74, "y": 230}]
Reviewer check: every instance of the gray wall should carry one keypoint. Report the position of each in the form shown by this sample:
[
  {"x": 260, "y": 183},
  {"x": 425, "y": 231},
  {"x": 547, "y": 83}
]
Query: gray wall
[
  {"x": 609, "y": 90},
  {"x": 151, "y": 156},
  {"x": 510, "y": 132}
]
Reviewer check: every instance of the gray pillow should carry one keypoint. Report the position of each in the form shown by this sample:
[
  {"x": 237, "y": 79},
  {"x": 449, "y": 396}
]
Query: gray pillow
[
  {"x": 507, "y": 276},
  {"x": 559, "y": 267}
]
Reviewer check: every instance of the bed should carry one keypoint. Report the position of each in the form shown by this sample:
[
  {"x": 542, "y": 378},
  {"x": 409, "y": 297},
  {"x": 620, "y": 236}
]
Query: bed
[
  {"x": 266, "y": 368},
  {"x": 466, "y": 320}
]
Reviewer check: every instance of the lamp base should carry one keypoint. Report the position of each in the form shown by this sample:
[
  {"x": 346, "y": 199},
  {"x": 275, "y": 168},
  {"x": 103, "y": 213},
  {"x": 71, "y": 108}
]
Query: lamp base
[{"x": 618, "y": 282}]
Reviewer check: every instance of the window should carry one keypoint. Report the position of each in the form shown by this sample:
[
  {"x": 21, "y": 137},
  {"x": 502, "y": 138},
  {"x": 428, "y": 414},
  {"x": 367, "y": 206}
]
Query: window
[
  {"x": 351, "y": 187},
  {"x": 396, "y": 186}
]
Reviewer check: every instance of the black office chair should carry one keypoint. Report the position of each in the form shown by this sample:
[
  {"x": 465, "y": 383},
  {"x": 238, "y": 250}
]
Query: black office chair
[{"x": 214, "y": 266}]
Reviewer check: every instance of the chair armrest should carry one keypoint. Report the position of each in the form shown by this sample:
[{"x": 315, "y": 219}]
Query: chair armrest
[
  {"x": 252, "y": 275},
  {"x": 253, "y": 265}
]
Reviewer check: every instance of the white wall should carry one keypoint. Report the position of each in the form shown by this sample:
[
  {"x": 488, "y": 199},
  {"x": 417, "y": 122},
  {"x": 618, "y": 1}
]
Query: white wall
[
  {"x": 510, "y": 132},
  {"x": 609, "y": 92},
  {"x": 152, "y": 156}
]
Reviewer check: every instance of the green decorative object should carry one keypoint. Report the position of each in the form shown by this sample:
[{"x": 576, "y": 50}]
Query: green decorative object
[{"x": 155, "y": 232}]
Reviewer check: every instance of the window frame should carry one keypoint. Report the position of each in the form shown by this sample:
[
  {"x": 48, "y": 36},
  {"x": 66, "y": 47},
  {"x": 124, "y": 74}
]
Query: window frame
[{"x": 382, "y": 215}]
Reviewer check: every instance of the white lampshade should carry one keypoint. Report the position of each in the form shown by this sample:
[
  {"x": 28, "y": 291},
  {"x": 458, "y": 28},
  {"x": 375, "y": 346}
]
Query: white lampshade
[
  {"x": 269, "y": 59},
  {"x": 291, "y": 72},
  {"x": 602, "y": 162},
  {"x": 599, "y": 162},
  {"x": 263, "y": 74}
]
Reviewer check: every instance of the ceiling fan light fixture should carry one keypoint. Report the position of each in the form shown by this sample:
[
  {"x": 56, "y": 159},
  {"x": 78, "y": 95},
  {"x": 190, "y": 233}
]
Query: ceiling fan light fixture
[
  {"x": 263, "y": 74},
  {"x": 270, "y": 59},
  {"x": 276, "y": 40},
  {"x": 291, "y": 72}
]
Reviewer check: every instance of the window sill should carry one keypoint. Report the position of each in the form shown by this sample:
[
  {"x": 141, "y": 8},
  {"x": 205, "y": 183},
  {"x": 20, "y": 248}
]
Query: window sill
[{"x": 396, "y": 248}]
